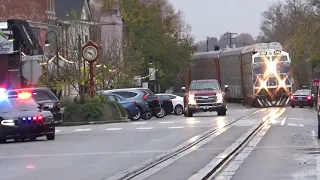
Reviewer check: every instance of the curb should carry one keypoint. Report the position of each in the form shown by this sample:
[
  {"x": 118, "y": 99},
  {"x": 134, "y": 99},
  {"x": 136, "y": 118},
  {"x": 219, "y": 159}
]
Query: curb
[{"x": 90, "y": 123}]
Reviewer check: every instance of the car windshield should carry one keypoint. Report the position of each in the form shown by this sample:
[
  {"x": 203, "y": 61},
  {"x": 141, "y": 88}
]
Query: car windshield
[
  {"x": 204, "y": 85},
  {"x": 303, "y": 92},
  {"x": 14, "y": 104}
]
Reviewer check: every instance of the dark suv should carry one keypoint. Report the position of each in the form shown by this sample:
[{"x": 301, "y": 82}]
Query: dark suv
[{"x": 44, "y": 97}]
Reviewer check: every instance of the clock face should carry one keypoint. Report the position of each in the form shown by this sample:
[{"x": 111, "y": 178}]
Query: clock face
[{"x": 90, "y": 53}]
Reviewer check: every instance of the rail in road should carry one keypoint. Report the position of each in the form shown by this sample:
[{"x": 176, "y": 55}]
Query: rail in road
[{"x": 143, "y": 170}]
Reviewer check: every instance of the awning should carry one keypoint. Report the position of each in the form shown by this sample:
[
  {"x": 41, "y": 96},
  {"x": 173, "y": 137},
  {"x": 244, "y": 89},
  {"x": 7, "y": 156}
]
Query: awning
[{"x": 22, "y": 32}]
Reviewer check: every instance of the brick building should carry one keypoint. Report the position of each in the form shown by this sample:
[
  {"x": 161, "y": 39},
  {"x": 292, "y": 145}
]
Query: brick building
[{"x": 29, "y": 20}]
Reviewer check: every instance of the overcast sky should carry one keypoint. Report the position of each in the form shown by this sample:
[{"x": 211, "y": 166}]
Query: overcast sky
[{"x": 214, "y": 17}]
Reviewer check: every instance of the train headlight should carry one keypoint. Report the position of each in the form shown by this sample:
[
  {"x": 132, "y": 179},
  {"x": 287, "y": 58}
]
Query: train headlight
[
  {"x": 282, "y": 83},
  {"x": 191, "y": 99},
  {"x": 263, "y": 84},
  {"x": 272, "y": 68}
]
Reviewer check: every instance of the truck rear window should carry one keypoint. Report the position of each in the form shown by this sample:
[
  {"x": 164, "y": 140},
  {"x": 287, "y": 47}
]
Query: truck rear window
[{"x": 204, "y": 85}]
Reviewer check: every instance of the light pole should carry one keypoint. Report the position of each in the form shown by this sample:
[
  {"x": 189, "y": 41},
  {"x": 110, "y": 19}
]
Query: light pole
[{"x": 47, "y": 43}]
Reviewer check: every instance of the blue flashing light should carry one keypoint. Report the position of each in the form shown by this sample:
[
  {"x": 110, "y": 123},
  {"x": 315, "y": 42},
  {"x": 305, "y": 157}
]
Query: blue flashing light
[{"x": 29, "y": 118}]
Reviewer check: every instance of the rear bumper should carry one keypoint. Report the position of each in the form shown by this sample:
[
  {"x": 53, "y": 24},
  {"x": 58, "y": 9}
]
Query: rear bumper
[
  {"x": 301, "y": 102},
  {"x": 27, "y": 130},
  {"x": 206, "y": 107}
]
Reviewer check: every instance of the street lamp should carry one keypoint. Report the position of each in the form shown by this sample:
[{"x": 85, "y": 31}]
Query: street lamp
[{"x": 47, "y": 43}]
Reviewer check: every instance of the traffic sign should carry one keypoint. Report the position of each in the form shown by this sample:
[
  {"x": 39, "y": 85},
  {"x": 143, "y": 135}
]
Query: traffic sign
[
  {"x": 32, "y": 71},
  {"x": 31, "y": 58}
]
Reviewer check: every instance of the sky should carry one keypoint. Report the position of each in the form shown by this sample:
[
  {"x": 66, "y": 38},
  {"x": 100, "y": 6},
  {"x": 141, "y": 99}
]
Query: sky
[{"x": 215, "y": 17}]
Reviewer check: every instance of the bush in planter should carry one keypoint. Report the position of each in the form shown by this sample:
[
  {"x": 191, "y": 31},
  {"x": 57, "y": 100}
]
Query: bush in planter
[{"x": 93, "y": 109}]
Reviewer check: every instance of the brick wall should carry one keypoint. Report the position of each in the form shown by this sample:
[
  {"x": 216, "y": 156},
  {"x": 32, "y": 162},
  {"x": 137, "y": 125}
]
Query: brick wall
[{"x": 32, "y": 10}]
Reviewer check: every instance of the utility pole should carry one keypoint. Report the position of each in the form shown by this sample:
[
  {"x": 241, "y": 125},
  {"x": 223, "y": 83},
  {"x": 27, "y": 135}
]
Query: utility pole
[
  {"x": 230, "y": 36},
  {"x": 207, "y": 43}
]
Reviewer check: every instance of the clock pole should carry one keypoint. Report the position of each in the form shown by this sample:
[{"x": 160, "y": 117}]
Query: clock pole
[{"x": 90, "y": 53}]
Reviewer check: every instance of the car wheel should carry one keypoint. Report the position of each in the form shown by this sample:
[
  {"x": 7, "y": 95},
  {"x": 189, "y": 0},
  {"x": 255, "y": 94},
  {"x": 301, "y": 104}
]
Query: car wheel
[
  {"x": 293, "y": 106},
  {"x": 33, "y": 138},
  {"x": 136, "y": 117},
  {"x": 2, "y": 139},
  {"x": 50, "y": 136},
  {"x": 222, "y": 112},
  {"x": 178, "y": 110},
  {"x": 300, "y": 106},
  {"x": 161, "y": 113}
]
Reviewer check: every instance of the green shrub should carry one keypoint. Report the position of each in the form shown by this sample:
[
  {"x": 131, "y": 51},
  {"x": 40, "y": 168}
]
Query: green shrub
[
  {"x": 122, "y": 110},
  {"x": 95, "y": 99},
  {"x": 65, "y": 102},
  {"x": 102, "y": 98},
  {"x": 71, "y": 110},
  {"x": 92, "y": 110}
]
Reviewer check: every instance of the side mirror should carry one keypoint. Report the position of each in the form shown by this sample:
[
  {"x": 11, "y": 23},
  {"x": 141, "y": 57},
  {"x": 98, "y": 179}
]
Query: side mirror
[{"x": 226, "y": 87}]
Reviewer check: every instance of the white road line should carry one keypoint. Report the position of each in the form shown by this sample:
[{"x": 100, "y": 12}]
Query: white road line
[
  {"x": 289, "y": 124},
  {"x": 176, "y": 127},
  {"x": 80, "y": 130},
  {"x": 139, "y": 123},
  {"x": 283, "y": 122},
  {"x": 166, "y": 122},
  {"x": 144, "y": 128},
  {"x": 316, "y": 144},
  {"x": 193, "y": 122},
  {"x": 57, "y": 130},
  {"x": 113, "y": 129},
  {"x": 231, "y": 169},
  {"x": 301, "y": 125},
  {"x": 296, "y": 118}
]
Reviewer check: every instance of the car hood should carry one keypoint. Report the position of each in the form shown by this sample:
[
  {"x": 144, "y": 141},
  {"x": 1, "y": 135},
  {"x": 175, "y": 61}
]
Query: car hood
[
  {"x": 16, "y": 115},
  {"x": 205, "y": 92}
]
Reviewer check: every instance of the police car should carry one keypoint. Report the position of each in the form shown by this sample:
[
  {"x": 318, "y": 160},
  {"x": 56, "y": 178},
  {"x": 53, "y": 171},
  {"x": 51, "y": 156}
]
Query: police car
[{"x": 21, "y": 117}]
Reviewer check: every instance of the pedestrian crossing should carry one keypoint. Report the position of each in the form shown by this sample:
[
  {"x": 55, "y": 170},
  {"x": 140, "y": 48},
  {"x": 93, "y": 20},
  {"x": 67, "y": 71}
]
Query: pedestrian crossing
[{"x": 175, "y": 125}]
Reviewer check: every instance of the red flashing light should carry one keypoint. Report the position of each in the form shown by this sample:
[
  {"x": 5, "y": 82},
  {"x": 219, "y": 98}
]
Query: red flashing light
[
  {"x": 291, "y": 97},
  {"x": 134, "y": 103},
  {"x": 24, "y": 95},
  {"x": 309, "y": 97}
]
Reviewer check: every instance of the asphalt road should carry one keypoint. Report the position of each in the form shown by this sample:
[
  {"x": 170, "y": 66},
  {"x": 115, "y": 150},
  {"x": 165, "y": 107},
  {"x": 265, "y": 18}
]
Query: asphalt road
[{"x": 97, "y": 152}]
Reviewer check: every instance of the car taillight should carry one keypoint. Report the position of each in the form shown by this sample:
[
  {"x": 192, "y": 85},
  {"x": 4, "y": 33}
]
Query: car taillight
[
  {"x": 309, "y": 97},
  {"x": 144, "y": 97},
  {"x": 58, "y": 105},
  {"x": 170, "y": 100},
  {"x": 291, "y": 97},
  {"x": 134, "y": 103},
  {"x": 158, "y": 99}
]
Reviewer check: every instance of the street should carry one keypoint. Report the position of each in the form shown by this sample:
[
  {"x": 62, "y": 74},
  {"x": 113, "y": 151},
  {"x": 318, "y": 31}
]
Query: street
[{"x": 283, "y": 149}]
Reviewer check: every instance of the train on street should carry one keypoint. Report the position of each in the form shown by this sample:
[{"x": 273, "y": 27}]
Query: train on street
[{"x": 258, "y": 75}]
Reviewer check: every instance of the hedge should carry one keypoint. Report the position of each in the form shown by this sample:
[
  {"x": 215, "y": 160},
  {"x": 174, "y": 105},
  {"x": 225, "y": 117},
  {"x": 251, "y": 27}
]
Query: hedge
[{"x": 92, "y": 109}]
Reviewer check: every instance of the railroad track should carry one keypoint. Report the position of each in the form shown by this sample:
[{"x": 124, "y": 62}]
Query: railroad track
[{"x": 142, "y": 168}]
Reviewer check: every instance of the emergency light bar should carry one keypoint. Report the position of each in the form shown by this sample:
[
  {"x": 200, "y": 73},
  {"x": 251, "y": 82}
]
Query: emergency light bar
[
  {"x": 24, "y": 95},
  {"x": 3, "y": 94}
]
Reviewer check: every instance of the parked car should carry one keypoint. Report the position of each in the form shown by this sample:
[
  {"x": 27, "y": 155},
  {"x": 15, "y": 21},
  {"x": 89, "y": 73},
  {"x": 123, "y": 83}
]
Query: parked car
[
  {"x": 44, "y": 97},
  {"x": 136, "y": 96},
  {"x": 177, "y": 102},
  {"x": 130, "y": 105}
]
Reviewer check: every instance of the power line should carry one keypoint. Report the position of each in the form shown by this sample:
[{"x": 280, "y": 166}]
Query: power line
[{"x": 230, "y": 36}]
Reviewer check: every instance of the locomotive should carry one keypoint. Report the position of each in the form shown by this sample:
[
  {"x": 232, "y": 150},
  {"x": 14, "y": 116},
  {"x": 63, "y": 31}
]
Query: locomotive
[{"x": 258, "y": 75}]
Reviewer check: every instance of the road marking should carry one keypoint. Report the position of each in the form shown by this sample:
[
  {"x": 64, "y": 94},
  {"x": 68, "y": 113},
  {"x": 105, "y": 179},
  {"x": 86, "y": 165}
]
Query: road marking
[
  {"x": 283, "y": 122},
  {"x": 301, "y": 125},
  {"x": 139, "y": 123},
  {"x": 289, "y": 124},
  {"x": 192, "y": 122},
  {"x": 57, "y": 130},
  {"x": 235, "y": 164},
  {"x": 144, "y": 128},
  {"x": 176, "y": 127},
  {"x": 316, "y": 143},
  {"x": 80, "y": 130},
  {"x": 113, "y": 129},
  {"x": 166, "y": 122},
  {"x": 296, "y": 118}
]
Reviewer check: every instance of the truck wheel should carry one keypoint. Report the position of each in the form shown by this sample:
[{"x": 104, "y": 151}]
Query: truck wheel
[
  {"x": 222, "y": 112},
  {"x": 187, "y": 113}
]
